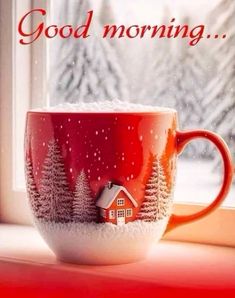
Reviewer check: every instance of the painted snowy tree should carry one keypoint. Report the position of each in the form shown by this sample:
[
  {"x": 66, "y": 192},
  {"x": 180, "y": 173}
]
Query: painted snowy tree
[
  {"x": 56, "y": 197},
  {"x": 84, "y": 209},
  {"x": 34, "y": 197},
  {"x": 219, "y": 104},
  {"x": 156, "y": 202},
  {"x": 86, "y": 70}
]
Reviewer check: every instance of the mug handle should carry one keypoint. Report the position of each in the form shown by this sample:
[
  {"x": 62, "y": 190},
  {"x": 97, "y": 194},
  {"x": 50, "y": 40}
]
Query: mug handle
[{"x": 182, "y": 139}]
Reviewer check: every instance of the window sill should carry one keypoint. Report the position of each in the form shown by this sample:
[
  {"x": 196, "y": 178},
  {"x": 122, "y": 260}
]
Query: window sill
[{"x": 28, "y": 267}]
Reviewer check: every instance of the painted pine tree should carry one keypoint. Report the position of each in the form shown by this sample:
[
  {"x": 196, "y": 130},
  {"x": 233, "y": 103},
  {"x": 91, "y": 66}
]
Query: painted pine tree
[
  {"x": 84, "y": 209},
  {"x": 219, "y": 104},
  {"x": 56, "y": 197},
  {"x": 164, "y": 197},
  {"x": 86, "y": 69},
  {"x": 156, "y": 199},
  {"x": 34, "y": 197}
]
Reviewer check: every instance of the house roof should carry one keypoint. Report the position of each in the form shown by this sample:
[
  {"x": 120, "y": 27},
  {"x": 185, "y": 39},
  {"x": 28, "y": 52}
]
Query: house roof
[{"x": 108, "y": 195}]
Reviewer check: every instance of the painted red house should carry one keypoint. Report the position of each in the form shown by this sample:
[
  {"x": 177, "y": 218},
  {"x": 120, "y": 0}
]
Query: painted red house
[{"x": 116, "y": 205}]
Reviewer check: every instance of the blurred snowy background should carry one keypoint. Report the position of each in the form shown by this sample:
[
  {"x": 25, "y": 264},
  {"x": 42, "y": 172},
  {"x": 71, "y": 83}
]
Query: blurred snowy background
[{"x": 198, "y": 81}]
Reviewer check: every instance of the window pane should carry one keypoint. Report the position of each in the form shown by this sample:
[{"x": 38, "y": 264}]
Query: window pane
[
  {"x": 128, "y": 212},
  {"x": 190, "y": 79},
  {"x": 198, "y": 81},
  {"x": 120, "y": 202},
  {"x": 111, "y": 214}
]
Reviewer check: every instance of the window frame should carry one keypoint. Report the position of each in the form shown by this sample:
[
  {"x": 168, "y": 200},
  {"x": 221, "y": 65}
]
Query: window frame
[
  {"x": 131, "y": 212},
  {"x": 112, "y": 214},
  {"x": 122, "y": 211},
  {"x": 219, "y": 225},
  {"x": 120, "y": 200},
  {"x": 12, "y": 90}
]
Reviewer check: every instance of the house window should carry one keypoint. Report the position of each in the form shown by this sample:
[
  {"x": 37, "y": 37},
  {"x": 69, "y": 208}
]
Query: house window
[
  {"x": 121, "y": 213},
  {"x": 120, "y": 202},
  {"x": 129, "y": 212},
  {"x": 111, "y": 214},
  {"x": 103, "y": 213}
]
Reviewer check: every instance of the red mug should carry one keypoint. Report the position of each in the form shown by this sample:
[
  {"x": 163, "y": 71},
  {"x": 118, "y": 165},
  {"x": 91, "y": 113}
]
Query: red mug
[{"x": 100, "y": 185}]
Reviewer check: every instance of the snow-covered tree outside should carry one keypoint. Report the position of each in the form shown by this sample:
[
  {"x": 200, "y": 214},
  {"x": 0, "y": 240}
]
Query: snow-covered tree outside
[
  {"x": 107, "y": 16},
  {"x": 34, "y": 197},
  {"x": 86, "y": 69},
  {"x": 84, "y": 209},
  {"x": 157, "y": 199},
  {"x": 190, "y": 71},
  {"x": 219, "y": 104},
  {"x": 155, "y": 70},
  {"x": 177, "y": 78},
  {"x": 55, "y": 195}
]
